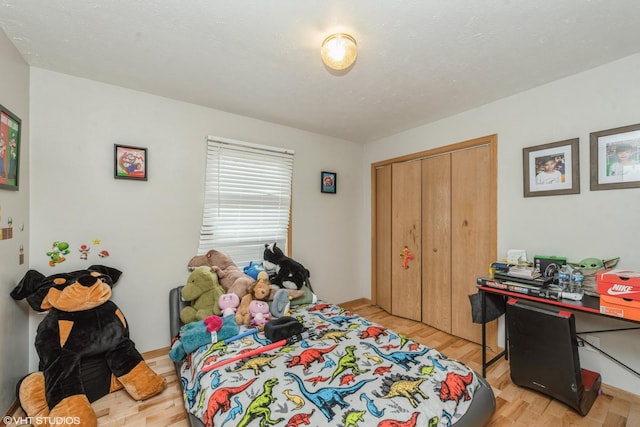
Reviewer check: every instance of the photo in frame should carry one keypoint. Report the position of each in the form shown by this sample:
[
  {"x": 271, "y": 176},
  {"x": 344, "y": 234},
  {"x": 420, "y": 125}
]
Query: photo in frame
[
  {"x": 130, "y": 162},
  {"x": 10, "y": 130},
  {"x": 328, "y": 182},
  {"x": 552, "y": 169},
  {"x": 615, "y": 158}
]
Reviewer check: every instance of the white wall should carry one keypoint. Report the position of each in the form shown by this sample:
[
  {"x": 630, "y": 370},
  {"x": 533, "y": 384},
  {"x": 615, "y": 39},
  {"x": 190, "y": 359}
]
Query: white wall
[
  {"x": 14, "y": 95},
  {"x": 601, "y": 224},
  {"x": 151, "y": 228}
]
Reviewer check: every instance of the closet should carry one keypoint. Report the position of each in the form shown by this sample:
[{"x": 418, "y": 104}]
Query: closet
[{"x": 434, "y": 233}]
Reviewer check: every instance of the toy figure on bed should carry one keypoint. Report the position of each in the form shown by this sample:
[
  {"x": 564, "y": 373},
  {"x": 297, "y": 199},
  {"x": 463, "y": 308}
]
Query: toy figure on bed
[
  {"x": 83, "y": 345},
  {"x": 196, "y": 334},
  {"x": 288, "y": 273},
  {"x": 203, "y": 291},
  {"x": 228, "y": 304}
]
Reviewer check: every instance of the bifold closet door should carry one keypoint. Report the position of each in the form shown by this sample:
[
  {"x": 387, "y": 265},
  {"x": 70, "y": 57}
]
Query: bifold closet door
[
  {"x": 383, "y": 237},
  {"x": 436, "y": 242},
  {"x": 472, "y": 232},
  {"x": 406, "y": 240}
]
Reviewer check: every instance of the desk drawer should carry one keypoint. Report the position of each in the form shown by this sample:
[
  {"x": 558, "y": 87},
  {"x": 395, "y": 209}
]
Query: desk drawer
[{"x": 620, "y": 307}]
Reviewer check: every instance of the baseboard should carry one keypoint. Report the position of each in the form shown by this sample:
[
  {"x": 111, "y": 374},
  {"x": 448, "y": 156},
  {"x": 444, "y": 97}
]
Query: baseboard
[
  {"x": 152, "y": 354},
  {"x": 356, "y": 301},
  {"x": 12, "y": 409},
  {"x": 618, "y": 392}
]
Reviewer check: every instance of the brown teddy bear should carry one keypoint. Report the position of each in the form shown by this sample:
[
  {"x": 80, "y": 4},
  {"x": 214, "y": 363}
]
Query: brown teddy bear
[{"x": 258, "y": 290}]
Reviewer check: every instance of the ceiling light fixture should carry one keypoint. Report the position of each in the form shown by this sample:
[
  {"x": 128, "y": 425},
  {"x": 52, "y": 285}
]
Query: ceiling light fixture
[{"x": 339, "y": 51}]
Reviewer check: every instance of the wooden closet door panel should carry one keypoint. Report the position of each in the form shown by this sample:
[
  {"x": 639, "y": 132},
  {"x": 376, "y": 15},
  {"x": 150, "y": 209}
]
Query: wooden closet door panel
[
  {"x": 383, "y": 237},
  {"x": 472, "y": 219},
  {"x": 406, "y": 231},
  {"x": 436, "y": 242}
]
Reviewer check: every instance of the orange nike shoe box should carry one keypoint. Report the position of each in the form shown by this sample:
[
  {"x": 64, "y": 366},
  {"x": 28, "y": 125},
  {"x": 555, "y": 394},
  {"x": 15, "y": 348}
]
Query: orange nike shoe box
[
  {"x": 620, "y": 307},
  {"x": 619, "y": 283}
]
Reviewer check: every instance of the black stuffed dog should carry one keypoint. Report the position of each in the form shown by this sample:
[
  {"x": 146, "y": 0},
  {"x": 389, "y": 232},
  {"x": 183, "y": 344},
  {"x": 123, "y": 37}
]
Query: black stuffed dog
[
  {"x": 83, "y": 345},
  {"x": 288, "y": 272}
]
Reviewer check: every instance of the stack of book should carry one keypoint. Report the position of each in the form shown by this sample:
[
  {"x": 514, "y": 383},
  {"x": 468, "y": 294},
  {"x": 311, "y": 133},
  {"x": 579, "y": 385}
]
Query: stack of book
[
  {"x": 532, "y": 281},
  {"x": 524, "y": 272},
  {"x": 541, "y": 286}
]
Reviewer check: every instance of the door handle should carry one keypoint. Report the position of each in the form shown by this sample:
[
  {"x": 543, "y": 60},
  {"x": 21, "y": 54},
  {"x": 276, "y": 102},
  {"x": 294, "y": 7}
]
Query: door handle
[{"x": 406, "y": 256}]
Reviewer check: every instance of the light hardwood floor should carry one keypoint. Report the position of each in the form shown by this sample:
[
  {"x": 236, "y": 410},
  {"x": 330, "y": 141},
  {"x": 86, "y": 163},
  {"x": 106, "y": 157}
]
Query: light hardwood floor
[{"x": 515, "y": 406}]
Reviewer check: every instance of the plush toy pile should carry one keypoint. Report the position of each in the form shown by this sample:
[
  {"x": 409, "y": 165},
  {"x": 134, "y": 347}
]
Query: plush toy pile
[
  {"x": 84, "y": 347},
  {"x": 249, "y": 300}
]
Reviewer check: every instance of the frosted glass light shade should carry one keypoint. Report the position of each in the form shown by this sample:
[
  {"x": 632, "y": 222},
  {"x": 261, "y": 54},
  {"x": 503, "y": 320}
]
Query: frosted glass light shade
[{"x": 339, "y": 51}]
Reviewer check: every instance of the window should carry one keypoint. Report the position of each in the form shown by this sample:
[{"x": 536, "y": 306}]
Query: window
[{"x": 247, "y": 199}]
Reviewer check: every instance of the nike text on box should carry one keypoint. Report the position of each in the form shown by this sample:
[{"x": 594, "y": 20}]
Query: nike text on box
[{"x": 619, "y": 283}]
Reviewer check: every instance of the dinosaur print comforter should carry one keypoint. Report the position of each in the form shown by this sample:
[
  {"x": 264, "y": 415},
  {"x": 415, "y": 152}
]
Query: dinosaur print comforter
[{"x": 352, "y": 373}]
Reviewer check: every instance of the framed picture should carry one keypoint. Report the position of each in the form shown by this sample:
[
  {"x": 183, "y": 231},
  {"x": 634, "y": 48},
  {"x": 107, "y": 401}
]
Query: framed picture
[
  {"x": 328, "y": 182},
  {"x": 10, "y": 130},
  {"x": 552, "y": 169},
  {"x": 130, "y": 162},
  {"x": 615, "y": 158}
]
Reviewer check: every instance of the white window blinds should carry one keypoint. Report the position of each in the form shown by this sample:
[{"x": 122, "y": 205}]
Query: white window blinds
[{"x": 247, "y": 199}]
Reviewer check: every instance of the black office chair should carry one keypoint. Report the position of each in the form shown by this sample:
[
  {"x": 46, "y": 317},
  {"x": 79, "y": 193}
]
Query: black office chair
[{"x": 543, "y": 352}]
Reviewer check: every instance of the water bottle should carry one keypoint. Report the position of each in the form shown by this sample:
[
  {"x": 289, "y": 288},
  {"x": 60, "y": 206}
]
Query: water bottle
[
  {"x": 564, "y": 277},
  {"x": 575, "y": 286}
]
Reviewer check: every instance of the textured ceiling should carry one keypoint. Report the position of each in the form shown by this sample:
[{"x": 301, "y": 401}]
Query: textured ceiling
[{"x": 418, "y": 61}]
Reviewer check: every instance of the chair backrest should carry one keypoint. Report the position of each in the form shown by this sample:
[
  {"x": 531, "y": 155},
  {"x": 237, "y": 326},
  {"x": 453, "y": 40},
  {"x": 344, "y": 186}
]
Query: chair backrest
[{"x": 543, "y": 351}]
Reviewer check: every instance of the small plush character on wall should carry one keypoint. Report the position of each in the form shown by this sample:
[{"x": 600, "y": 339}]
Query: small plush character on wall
[
  {"x": 228, "y": 304},
  {"x": 289, "y": 273},
  {"x": 84, "y": 252},
  {"x": 57, "y": 253},
  {"x": 259, "y": 290},
  {"x": 203, "y": 291},
  {"x": 231, "y": 277},
  {"x": 83, "y": 328}
]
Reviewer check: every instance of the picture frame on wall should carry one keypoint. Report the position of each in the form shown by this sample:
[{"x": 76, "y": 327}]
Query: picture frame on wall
[
  {"x": 552, "y": 169},
  {"x": 10, "y": 131},
  {"x": 130, "y": 162},
  {"x": 615, "y": 158},
  {"x": 328, "y": 182}
]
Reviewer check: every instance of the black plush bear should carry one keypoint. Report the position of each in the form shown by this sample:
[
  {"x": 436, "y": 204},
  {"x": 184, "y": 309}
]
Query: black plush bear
[{"x": 287, "y": 273}]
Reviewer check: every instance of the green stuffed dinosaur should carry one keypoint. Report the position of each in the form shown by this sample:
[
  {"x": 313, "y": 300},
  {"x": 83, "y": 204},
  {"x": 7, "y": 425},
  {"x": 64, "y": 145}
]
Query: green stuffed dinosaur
[{"x": 202, "y": 290}]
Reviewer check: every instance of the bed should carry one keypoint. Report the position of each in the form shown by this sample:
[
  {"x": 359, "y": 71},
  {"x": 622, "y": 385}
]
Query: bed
[{"x": 351, "y": 373}]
